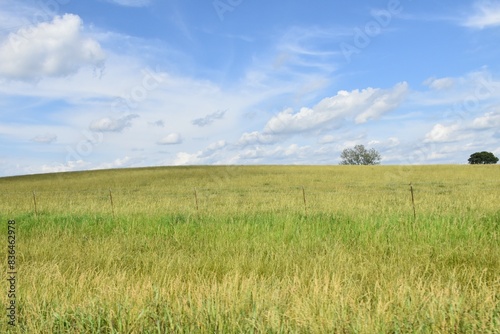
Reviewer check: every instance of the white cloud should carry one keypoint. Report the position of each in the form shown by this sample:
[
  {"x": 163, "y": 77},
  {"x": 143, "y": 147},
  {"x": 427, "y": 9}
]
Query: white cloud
[
  {"x": 382, "y": 102},
  {"x": 289, "y": 121},
  {"x": 183, "y": 158},
  {"x": 393, "y": 141},
  {"x": 486, "y": 14},
  {"x": 439, "y": 84},
  {"x": 370, "y": 103},
  {"x": 171, "y": 139},
  {"x": 208, "y": 155},
  {"x": 442, "y": 133},
  {"x": 488, "y": 121},
  {"x": 470, "y": 94},
  {"x": 49, "y": 49},
  {"x": 117, "y": 163},
  {"x": 298, "y": 79},
  {"x": 327, "y": 139},
  {"x": 58, "y": 168},
  {"x": 216, "y": 146},
  {"x": 47, "y": 138},
  {"x": 209, "y": 119},
  {"x": 303, "y": 48},
  {"x": 389, "y": 142},
  {"x": 292, "y": 153},
  {"x": 131, "y": 3},
  {"x": 108, "y": 124},
  {"x": 255, "y": 137}
]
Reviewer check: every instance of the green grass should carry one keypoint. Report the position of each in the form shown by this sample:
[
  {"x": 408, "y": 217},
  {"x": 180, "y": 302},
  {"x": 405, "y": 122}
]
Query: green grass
[{"x": 250, "y": 259}]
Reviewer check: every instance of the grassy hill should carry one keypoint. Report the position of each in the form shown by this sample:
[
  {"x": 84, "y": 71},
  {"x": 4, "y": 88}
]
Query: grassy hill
[{"x": 234, "y": 249}]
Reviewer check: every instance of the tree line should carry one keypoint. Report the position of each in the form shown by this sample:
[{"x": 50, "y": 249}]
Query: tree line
[{"x": 359, "y": 155}]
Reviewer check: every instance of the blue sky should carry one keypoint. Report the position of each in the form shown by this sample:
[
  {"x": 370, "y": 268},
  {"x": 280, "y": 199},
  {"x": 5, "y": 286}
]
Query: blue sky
[{"x": 128, "y": 83}]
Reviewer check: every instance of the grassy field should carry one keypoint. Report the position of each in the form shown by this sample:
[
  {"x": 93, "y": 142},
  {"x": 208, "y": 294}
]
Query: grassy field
[{"x": 256, "y": 249}]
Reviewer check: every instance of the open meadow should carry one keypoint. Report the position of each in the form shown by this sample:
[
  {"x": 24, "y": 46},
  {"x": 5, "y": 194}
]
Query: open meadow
[{"x": 255, "y": 249}]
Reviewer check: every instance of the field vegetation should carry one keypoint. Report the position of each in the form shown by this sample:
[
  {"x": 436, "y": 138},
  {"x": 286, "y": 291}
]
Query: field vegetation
[{"x": 257, "y": 249}]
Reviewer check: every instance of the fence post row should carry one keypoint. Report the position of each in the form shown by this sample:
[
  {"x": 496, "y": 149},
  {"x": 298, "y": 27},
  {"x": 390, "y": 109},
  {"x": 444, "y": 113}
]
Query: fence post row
[{"x": 195, "y": 191}]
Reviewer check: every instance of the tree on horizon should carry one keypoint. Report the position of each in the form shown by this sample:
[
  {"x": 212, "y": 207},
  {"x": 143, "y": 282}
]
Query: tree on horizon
[
  {"x": 359, "y": 155},
  {"x": 482, "y": 158}
]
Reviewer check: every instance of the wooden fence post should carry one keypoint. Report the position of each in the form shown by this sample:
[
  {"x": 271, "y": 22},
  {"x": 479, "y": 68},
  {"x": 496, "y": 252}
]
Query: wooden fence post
[
  {"x": 196, "y": 199},
  {"x": 413, "y": 203},
  {"x": 34, "y": 202},
  {"x": 305, "y": 202},
  {"x": 111, "y": 201}
]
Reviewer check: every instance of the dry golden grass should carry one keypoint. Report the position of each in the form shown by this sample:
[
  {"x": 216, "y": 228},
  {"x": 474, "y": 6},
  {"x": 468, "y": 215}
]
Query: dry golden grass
[{"x": 249, "y": 259}]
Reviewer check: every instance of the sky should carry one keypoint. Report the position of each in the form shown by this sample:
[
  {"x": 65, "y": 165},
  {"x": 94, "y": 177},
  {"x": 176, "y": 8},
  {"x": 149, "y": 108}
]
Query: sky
[{"x": 102, "y": 84}]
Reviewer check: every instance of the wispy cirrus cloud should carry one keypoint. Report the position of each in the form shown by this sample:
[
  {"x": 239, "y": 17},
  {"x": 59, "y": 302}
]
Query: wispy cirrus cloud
[
  {"x": 131, "y": 3},
  {"x": 308, "y": 48},
  {"x": 439, "y": 83},
  {"x": 209, "y": 119},
  {"x": 47, "y": 138},
  {"x": 159, "y": 123},
  {"x": 486, "y": 14}
]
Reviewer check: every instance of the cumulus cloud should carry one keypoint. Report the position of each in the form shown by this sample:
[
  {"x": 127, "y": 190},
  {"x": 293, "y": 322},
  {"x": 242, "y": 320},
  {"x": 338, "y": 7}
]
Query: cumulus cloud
[
  {"x": 117, "y": 163},
  {"x": 489, "y": 120},
  {"x": 49, "y": 49},
  {"x": 382, "y": 102},
  {"x": 486, "y": 14},
  {"x": 183, "y": 158},
  {"x": 212, "y": 148},
  {"x": 359, "y": 106},
  {"x": 289, "y": 121},
  {"x": 208, "y": 155},
  {"x": 362, "y": 105},
  {"x": 108, "y": 124},
  {"x": 442, "y": 133},
  {"x": 58, "y": 168},
  {"x": 209, "y": 119},
  {"x": 171, "y": 139},
  {"x": 47, "y": 138}
]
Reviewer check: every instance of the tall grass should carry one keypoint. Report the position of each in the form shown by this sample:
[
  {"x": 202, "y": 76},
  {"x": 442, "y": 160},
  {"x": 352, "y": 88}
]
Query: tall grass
[{"x": 249, "y": 260}]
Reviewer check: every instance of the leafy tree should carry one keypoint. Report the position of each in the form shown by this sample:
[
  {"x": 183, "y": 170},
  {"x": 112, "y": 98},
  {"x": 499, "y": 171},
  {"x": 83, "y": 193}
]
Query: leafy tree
[
  {"x": 482, "y": 158},
  {"x": 359, "y": 155}
]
